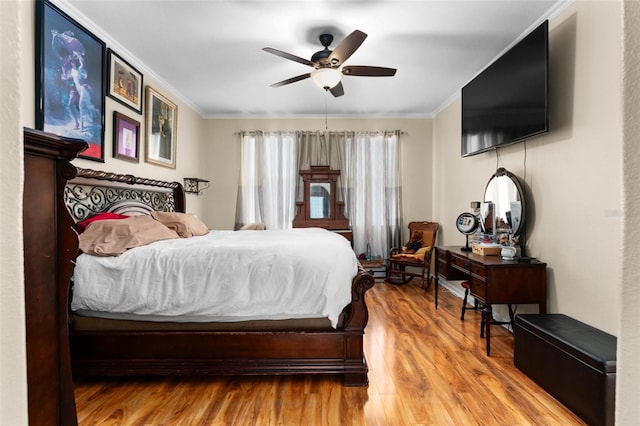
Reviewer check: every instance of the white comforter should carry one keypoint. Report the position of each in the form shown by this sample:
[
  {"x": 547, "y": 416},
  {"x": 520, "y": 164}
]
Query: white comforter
[{"x": 222, "y": 276}]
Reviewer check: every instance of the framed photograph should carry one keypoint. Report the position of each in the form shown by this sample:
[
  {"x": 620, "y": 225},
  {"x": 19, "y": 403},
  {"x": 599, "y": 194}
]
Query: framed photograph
[
  {"x": 161, "y": 129},
  {"x": 126, "y": 134},
  {"x": 125, "y": 82},
  {"x": 70, "y": 82}
]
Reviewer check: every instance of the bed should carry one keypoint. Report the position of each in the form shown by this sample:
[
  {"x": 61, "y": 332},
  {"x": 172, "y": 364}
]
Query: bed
[{"x": 322, "y": 343}]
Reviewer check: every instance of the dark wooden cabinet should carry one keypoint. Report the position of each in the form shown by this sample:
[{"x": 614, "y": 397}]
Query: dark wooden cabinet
[{"x": 49, "y": 247}]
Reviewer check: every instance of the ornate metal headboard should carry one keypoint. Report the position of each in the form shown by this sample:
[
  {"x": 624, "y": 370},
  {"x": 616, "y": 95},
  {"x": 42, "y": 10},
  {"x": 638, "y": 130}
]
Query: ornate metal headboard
[{"x": 93, "y": 191}]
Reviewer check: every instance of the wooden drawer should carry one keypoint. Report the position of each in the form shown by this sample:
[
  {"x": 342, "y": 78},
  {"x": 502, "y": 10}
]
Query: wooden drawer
[
  {"x": 478, "y": 270},
  {"x": 478, "y": 288},
  {"x": 442, "y": 266},
  {"x": 461, "y": 263}
]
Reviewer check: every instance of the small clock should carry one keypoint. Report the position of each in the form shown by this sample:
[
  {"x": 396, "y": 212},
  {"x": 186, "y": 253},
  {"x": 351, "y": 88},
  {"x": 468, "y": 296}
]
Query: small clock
[{"x": 467, "y": 223}]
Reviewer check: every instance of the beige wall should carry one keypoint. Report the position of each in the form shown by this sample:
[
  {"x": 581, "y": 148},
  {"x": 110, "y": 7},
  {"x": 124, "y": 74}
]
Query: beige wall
[
  {"x": 575, "y": 177},
  {"x": 628, "y": 377},
  {"x": 573, "y": 174},
  {"x": 13, "y": 369},
  {"x": 190, "y": 136},
  {"x": 222, "y": 152},
  {"x": 190, "y": 142}
]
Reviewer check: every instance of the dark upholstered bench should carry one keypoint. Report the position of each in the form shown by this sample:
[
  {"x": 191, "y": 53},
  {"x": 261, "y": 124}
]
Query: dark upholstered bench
[{"x": 574, "y": 362}]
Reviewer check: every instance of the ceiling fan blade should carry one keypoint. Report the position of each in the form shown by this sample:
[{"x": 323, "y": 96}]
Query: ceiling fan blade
[
  {"x": 288, "y": 56},
  {"x": 337, "y": 90},
  {"x": 367, "y": 71},
  {"x": 346, "y": 47},
  {"x": 291, "y": 80}
]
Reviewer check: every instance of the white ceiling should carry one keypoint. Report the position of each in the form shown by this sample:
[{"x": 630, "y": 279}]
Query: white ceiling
[{"x": 209, "y": 52}]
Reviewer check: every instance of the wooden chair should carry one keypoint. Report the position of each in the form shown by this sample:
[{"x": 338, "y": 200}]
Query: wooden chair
[{"x": 401, "y": 258}]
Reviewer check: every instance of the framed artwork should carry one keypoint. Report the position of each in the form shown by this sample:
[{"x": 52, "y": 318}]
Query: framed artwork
[
  {"x": 70, "y": 83},
  {"x": 161, "y": 129},
  {"x": 126, "y": 136},
  {"x": 125, "y": 82}
]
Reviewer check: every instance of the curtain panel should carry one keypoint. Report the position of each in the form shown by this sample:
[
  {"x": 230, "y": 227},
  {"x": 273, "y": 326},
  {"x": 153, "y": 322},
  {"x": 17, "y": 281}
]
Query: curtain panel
[
  {"x": 373, "y": 190},
  {"x": 268, "y": 177},
  {"x": 369, "y": 184}
]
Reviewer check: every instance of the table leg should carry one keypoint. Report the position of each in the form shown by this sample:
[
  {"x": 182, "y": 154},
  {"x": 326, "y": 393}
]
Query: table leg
[
  {"x": 511, "y": 317},
  {"x": 436, "y": 291},
  {"x": 488, "y": 314}
]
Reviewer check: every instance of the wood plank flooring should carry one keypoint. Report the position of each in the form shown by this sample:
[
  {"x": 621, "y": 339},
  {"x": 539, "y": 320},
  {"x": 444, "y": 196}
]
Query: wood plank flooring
[{"x": 426, "y": 367}]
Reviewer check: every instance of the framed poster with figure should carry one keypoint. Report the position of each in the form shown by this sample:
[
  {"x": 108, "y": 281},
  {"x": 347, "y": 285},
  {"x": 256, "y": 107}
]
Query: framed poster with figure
[
  {"x": 70, "y": 83},
  {"x": 161, "y": 129}
]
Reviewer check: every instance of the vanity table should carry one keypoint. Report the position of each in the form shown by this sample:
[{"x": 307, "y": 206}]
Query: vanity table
[{"x": 493, "y": 280}]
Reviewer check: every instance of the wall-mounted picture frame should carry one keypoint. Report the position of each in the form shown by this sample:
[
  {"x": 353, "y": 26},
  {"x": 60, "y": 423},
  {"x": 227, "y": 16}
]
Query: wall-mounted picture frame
[
  {"x": 69, "y": 77},
  {"x": 161, "y": 129},
  {"x": 126, "y": 137},
  {"x": 125, "y": 82}
]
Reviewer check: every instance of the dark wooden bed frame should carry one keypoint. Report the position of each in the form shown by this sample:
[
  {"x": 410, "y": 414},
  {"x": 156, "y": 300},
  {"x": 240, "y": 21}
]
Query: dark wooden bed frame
[{"x": 336, "y": 351}]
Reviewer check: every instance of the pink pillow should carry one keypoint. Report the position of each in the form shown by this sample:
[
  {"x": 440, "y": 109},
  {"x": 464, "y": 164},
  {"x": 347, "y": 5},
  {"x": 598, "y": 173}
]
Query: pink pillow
[{"x": 81, "y": 226}]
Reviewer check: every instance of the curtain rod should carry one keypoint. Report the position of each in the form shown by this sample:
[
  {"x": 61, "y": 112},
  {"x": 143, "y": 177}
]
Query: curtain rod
[{"x": 253, "y": 132}]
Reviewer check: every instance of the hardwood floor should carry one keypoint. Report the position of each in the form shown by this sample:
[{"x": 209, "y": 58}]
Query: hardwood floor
[{"x": 425, "y": 367}]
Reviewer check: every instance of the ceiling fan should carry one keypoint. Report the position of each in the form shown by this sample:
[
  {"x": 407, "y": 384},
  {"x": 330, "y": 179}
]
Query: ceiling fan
[{"x": 327, "y": 63}]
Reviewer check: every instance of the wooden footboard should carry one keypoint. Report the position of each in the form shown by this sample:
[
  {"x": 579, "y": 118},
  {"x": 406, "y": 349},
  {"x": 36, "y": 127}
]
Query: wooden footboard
[{"x": 135, "y": 353}]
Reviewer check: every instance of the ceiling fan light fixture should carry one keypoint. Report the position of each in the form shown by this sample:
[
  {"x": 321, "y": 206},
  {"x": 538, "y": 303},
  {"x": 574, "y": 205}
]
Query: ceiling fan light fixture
[{"x": 327, "y": 78}]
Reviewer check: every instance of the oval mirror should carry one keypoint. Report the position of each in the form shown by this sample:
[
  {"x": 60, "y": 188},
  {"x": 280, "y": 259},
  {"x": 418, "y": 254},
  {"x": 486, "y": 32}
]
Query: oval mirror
[{"x": 503, "y": 210}]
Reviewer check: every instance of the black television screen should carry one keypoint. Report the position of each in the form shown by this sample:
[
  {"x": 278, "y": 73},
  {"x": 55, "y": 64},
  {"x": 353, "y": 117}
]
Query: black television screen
[{"x": 507, "y": 102}]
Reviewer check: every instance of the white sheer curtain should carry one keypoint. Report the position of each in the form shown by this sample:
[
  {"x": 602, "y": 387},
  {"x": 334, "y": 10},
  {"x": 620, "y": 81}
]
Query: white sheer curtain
[
  {"x": 369, "y": 184},
  {"x": 268, "y": 177},
  {"x": 372, "y": 192}
]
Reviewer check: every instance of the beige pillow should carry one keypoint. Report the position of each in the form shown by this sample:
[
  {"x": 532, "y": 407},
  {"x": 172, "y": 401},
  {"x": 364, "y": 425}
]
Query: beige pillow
[
  {"x": 115, "y": 236},
  {"x": 185, "y": 225},
  {"x": 253, "y": 227}
]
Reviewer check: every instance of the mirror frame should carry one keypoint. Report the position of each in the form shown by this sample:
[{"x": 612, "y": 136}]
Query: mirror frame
[
  {"x": 502, "y": 172},
  {"x": 336, "y": 219}
]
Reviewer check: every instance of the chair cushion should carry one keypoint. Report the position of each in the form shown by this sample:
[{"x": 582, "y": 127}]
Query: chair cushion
[{"x": 407, "y": 256}]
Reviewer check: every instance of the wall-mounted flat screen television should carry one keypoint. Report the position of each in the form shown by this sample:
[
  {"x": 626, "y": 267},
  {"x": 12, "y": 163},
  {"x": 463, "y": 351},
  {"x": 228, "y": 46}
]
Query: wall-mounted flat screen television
[{"x": 507, "y": 102}]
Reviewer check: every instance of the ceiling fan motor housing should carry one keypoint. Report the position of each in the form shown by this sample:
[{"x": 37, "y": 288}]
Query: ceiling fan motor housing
[
  {"x": 319, "y": 58},
  {"x": 326, "y": 40}
]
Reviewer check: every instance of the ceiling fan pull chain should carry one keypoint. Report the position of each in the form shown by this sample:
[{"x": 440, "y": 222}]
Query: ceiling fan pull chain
[{"x": 326, "y": 95}]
